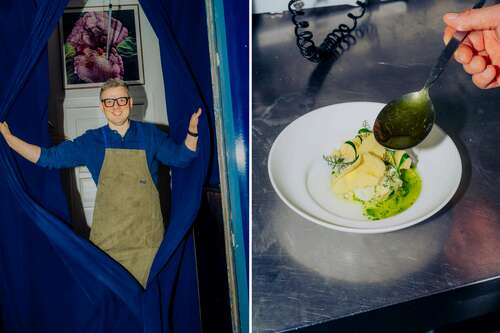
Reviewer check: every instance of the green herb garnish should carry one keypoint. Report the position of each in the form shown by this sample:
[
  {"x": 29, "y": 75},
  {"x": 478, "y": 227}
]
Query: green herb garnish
[{"x": 338, "y": 163}]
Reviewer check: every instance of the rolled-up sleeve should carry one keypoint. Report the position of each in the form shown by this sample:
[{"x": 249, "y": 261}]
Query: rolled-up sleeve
[
  {"x": 67, "y": 154},
  {"x": 171, "y": 153}
]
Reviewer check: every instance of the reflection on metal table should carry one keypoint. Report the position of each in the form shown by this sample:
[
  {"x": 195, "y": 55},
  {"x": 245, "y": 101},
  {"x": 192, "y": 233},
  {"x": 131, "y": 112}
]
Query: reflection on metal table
[{"x": 312, "y": 279}]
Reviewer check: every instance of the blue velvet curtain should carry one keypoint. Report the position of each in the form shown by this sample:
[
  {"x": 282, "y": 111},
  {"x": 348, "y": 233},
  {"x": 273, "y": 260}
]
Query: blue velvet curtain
[
  {"x": 182, "y": 33},
  {"x": 51, "y": 280}
]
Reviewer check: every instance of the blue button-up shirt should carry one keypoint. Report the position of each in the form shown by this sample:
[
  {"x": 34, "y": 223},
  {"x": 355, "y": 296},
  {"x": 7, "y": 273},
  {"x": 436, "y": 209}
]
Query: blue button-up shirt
[{"x": 89, "y": 148}]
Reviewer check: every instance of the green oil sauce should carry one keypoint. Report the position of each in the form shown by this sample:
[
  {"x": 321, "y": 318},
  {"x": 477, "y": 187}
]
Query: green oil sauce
[
  {"x": 406, "y": 121},
  {"x": 397, "y": 201}
]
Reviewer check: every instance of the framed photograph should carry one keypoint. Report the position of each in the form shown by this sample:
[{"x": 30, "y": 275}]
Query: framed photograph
[{"x": 95, "y": 48}]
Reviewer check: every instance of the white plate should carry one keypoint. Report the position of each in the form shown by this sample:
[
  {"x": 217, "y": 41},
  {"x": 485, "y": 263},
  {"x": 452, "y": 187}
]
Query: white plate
[{"x": 301, "y": 177}]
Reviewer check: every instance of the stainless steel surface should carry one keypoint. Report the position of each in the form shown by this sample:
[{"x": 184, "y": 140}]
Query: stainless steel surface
[{"x": 304, "y": 274}]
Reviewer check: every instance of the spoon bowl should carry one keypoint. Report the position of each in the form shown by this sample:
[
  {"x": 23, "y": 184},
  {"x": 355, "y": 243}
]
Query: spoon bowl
[{"x": 405, "y": 122}]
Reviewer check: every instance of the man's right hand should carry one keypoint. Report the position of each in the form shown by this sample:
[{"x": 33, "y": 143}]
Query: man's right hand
[
  {"x": 26, "y": 150},
  {"x": 4, "y": 129},
  {"x": 480, "y": 52}
]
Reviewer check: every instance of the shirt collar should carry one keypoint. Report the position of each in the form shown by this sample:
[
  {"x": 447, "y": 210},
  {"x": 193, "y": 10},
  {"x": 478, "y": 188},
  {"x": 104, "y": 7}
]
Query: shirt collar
[{"x": 130, "y": 132}]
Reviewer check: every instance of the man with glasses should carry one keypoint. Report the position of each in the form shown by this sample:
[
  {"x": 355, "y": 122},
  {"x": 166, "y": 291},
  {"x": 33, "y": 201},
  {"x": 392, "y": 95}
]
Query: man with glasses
[{"x": 123, "y": 158}]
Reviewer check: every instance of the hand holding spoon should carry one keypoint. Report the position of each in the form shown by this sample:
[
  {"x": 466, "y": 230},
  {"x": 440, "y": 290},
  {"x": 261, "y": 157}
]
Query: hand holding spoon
[{"x": 405, "y": 122}]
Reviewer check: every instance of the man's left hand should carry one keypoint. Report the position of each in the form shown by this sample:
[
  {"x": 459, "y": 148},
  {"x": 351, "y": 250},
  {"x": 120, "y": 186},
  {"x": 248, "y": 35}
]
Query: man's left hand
[{"x": 193, "y": 123}]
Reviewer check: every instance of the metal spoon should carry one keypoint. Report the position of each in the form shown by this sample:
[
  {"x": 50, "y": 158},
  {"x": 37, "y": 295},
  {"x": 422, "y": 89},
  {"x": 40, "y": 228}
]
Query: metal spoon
[{"x": 405, "y": 122}]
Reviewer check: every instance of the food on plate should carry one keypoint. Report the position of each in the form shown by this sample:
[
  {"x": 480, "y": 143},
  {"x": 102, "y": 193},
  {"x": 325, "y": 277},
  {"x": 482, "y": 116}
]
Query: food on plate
[{"x": 384, "y": 181}]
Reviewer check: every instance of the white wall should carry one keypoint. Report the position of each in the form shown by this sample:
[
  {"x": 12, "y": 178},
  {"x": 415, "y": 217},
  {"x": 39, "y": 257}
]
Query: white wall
[{"x": 278, "y": 6}]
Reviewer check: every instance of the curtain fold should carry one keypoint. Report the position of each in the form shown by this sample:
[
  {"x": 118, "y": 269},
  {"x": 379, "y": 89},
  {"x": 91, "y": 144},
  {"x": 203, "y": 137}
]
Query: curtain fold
[
  {"x": 181, "y": 28},
  {"x": 51, "y": 280},
  {"x": 186, "y": 72}
]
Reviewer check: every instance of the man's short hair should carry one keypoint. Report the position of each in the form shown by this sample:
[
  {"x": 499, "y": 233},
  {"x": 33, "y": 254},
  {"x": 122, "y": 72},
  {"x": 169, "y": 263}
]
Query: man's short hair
[{"x": 112, "y": 83}]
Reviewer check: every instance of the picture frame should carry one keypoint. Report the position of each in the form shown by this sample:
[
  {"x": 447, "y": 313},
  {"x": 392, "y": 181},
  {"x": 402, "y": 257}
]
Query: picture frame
[{"x": 85, "y": 48}]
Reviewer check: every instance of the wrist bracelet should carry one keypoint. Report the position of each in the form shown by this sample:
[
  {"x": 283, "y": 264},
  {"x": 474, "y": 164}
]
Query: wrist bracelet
[{"x": 192, "y": 133}]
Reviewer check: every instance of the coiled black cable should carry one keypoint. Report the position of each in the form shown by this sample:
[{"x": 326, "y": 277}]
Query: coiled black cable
[{"x": 335, "y": 43}]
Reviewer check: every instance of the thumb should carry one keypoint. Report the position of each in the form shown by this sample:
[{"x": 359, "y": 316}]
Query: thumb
[{"x": 486, "y": 18}]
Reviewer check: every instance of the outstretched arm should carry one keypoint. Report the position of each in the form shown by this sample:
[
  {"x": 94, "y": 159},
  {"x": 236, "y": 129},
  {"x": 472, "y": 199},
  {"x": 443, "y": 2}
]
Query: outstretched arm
[
  {"x": 26, "y": 150},
  {"x": 192, "y": 136}
]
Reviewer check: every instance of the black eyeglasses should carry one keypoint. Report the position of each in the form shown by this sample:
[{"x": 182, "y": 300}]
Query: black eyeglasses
[{"x": 110, "y": 102}]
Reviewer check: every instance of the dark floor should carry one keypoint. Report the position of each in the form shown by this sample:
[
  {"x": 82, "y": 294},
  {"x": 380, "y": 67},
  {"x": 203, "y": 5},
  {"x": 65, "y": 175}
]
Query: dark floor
[{"x": 489, "y": 323}]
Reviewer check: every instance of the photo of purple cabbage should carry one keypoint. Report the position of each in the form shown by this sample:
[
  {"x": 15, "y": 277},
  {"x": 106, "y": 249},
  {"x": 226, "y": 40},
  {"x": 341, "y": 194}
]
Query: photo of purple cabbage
[
  {"x": 85, "y": 46},
  {"x": 91, "y": 31},
  {"x": 92, "y": 65}
]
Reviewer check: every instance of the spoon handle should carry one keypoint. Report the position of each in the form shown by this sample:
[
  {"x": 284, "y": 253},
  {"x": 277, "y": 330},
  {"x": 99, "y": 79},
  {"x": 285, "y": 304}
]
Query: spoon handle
[{"x": 448, "y": 51}]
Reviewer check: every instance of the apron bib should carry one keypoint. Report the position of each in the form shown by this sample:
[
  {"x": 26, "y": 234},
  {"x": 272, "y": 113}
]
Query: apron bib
[{"x": 127, "y": 222}]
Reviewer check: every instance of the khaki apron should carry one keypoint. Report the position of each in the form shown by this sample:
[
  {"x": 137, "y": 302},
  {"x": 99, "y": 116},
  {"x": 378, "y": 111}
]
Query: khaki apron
[{"x": 127, "y": 222}]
